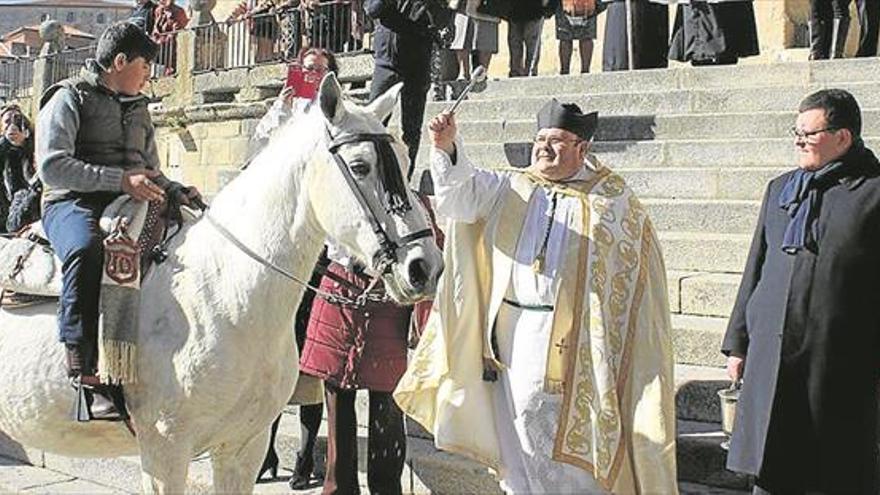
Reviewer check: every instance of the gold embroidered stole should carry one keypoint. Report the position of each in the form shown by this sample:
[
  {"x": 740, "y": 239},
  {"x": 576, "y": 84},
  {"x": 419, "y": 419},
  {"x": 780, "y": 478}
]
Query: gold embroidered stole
[{"x": 590, "y": 344}]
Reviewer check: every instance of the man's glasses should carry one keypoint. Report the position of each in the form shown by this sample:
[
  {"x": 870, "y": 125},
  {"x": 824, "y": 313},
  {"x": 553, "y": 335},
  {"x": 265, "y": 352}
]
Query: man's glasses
[
  {"x": 808, "y": 136},
  {"x": 555, "y": 141}
]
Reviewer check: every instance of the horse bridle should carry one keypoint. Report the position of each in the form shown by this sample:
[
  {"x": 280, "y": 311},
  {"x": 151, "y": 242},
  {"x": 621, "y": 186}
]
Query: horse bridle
[{"x": 383, "y": 259}]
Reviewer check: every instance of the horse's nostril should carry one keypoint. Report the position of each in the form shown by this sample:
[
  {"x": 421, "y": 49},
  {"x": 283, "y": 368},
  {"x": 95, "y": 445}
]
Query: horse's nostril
[{"x": 418, "y": 273}]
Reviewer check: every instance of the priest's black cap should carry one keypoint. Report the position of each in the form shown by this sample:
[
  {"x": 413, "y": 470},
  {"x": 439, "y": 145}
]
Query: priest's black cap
[{"x": 568, "y": 116}]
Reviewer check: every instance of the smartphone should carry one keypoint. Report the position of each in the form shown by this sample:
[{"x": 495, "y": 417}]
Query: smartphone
[{"x": 304, "y": 83}]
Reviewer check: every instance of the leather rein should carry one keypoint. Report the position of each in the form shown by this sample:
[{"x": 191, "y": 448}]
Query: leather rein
[{"x": 383, "y": 259}]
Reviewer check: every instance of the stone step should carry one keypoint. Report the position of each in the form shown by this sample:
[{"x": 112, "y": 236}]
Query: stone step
[
  {"x": 827, "y": 73},
  {"x": 701, "y": 458},
  {"x": 701, "y": 182},
  {"x": 702, "y": 100},
  {"x": 707, "y": 294},
  {"x": 657, "y": 127},
  {"x": 689, "y": 488},
  {"x": 671, "y": 154},
  {"x": 732, "y": 216},
  {"x": 710, "y": 252},
  {"x": 697, "y": 339},
  {"x": 696, "y": 392}
]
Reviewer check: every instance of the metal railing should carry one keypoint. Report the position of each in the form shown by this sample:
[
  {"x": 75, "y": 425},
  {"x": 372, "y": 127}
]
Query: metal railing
[
  {"x": 165, "y": 63},
  {"x": 67, "y": 63},
  {"x": 340, "y": 26},
  {"x": 16, "y": 78},
  {"x": 279, "y": 35}
]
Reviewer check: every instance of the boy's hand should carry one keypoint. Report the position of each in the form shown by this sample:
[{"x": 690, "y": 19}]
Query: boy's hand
[{"x": 138, "y": 184}]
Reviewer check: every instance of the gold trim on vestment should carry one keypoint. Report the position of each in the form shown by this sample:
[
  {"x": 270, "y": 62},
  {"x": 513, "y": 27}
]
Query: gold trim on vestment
[{"x": 591, "y": 433}]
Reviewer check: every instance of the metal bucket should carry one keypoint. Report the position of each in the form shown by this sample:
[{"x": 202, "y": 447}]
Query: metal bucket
[{"x": 728, "y": 397}]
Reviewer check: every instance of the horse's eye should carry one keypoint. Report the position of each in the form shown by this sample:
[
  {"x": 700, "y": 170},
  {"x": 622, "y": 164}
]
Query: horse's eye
[{"x": 360, "y": 169}]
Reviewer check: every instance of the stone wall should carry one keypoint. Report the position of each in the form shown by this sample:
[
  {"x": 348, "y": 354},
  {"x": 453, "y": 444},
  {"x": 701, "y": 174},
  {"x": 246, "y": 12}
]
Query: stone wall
[{"x": 204, "y": 145}]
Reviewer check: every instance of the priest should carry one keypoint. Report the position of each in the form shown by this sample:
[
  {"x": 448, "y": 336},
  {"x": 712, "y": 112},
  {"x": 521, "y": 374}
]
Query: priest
[{"x": 548, "y": 353}]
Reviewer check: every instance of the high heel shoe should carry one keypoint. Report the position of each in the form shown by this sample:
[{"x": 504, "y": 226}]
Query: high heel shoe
[
  {"x": 270, "y": 464},
  {"x": 302, "y": 473}
]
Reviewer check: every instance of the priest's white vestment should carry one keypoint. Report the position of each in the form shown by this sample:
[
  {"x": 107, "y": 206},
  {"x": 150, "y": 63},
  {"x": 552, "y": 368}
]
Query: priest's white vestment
[{"x": 560, "y": 289}]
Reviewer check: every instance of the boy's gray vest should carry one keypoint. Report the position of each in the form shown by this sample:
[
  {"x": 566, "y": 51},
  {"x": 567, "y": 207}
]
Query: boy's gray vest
[{"x": 114, "y": 130}]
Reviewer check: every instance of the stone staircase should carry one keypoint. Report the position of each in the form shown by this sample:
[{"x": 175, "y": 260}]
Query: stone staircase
[{"x": 697, "y": 145}]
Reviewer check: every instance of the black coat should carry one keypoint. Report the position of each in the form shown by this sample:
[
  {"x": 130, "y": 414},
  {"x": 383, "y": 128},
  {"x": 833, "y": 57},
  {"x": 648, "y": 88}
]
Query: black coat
[
  {"x": 809, "y": 327},
  {"x": 405, "y": 33},
  {"x": 16, "y": 170}
]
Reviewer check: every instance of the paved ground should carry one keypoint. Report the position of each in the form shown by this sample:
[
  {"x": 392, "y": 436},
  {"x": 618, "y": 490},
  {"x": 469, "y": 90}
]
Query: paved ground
[{"x": 17, "y": 477}]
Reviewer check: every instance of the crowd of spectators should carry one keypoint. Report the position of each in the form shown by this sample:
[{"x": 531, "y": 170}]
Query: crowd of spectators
[{"x": 703, "y": 33}]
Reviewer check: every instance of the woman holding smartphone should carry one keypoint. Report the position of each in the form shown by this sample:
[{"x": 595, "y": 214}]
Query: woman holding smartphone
[{"x": 16, "y": 158}]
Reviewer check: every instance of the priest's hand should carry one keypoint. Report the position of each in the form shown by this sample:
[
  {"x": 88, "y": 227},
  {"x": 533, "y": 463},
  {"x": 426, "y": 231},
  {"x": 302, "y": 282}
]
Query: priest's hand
[
  {"x": 443, "y": 131},
  {"x": 735, "y": 368}
]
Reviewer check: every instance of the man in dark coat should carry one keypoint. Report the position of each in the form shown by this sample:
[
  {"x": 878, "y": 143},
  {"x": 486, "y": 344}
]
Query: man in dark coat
[
  {"x": 143, "y": 15},
  {"x": 405, "y": 33},
  {"x": 805, "y": 328},
  {"x": 650, "y": 35}
]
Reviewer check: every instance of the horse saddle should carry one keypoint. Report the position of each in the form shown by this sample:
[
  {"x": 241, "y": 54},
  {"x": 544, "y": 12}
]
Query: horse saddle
[{"x": 30, "y": 270}]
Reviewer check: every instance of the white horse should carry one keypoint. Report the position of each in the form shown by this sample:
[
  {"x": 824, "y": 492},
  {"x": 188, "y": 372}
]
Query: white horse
[{"x": 217, "y": 358}]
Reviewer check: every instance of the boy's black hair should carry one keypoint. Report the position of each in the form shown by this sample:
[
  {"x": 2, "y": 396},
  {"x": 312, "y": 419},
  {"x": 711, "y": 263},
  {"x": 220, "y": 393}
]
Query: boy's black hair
[{"x": 127, "y": 38}]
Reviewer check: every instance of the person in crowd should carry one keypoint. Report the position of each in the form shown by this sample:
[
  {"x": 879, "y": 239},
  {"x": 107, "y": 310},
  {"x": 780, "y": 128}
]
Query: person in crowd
[
  {"x": 143, "y": 15},
  {"x": 576, "y": 20},
  {"x": 331, "y": 24},
  {"x": 714, "y": 33},
  {"x": 548, "y": 352},
  {"x": 402, "y": 43},
  {"x": 95, "y": 141},
  {"x": 355, "y": 348},
  {"x": 16, "y": 164},
  {"x": 308, "y": 393},
  {"x": 829, "y": 26},
  {"x": 524, "y": 26},
  {"x": 169, "y": 19},
  {"x": 476, "y": 33},
  {"x": 869, "y": 27},
  {"x": 649, "y": 34},
  {"x": 803, "y": 336},
  {"x": 262, "y": 25}
]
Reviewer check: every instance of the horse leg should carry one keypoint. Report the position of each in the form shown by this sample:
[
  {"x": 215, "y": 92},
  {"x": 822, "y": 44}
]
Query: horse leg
[
  {"x": 236, "y": 466},
  {"x": 164, "y": 465}
]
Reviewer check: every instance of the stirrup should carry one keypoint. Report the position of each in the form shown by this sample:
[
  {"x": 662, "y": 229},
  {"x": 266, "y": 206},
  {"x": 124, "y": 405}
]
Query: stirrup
[{"x": 95, "y": 401}]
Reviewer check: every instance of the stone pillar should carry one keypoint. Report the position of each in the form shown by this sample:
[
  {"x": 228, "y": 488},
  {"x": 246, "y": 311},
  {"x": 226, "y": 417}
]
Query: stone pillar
[
  {"x": 47, "y": 66},
  {"x": 184, "y": 79}
]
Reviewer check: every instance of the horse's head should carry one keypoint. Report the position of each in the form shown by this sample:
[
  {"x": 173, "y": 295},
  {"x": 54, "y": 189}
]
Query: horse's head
[{"x": 360, "y": 198}]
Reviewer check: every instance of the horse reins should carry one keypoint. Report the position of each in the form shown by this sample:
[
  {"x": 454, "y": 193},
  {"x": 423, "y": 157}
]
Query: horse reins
[{"x": 383, "y": 259}]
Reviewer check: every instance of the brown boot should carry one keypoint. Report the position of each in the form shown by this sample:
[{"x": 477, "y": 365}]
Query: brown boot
[{"x": 94, "y": 400}]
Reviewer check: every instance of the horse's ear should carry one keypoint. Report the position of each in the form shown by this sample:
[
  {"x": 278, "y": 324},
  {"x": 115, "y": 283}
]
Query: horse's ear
[
  {"x": 330, "y": 97},
  {"x": 382, "y": 106}
]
